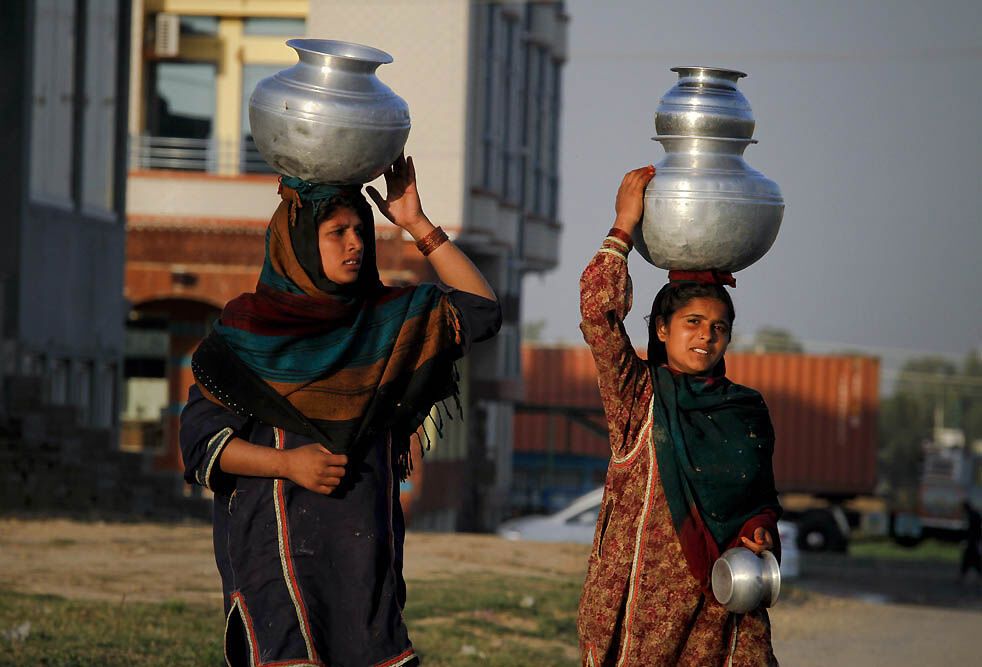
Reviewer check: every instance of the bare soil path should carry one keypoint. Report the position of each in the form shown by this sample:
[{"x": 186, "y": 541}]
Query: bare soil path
[{"x": 155, "y": 562}]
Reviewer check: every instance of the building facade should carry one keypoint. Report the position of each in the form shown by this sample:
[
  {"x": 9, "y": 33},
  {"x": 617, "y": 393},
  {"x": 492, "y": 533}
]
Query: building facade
[
  {"x": 62, "y": 254},
  {"x": 62, "y": 123}
]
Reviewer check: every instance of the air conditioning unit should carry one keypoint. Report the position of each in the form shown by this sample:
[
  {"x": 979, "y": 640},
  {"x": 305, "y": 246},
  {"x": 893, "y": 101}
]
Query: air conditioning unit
[{"x": 167, "y": 35}]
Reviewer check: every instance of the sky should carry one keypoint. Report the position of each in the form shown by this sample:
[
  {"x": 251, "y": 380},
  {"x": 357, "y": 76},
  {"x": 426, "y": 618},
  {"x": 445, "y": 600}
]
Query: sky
[{"x": 868, "y": 118}]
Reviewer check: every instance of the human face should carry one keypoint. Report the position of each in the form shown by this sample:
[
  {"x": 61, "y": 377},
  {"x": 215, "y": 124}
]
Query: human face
[
  {"x": 341, "y": 246},
  {"x": 697, "y": 335}
]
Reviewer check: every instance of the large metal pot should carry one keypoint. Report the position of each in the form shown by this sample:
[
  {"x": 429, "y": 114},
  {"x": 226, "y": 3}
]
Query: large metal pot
[
  {"x": 742, "y": 581},
  {"x": 707, "y": 208},
  {"x": 329, "y": 119}
]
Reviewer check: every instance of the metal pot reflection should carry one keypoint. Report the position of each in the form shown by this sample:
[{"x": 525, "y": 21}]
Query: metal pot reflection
[
  {"x": 707, "y": 208},
  {"x": 743, "y": 582},
  {"x": 329, "y": 119}
]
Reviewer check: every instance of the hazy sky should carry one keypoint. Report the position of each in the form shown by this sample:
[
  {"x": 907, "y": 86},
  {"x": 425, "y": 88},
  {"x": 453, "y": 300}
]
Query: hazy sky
[{"x": 868, "y": 117}]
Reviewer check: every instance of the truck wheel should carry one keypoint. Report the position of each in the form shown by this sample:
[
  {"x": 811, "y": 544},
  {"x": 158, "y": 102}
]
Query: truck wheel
[{"x": 817, "y": 531}]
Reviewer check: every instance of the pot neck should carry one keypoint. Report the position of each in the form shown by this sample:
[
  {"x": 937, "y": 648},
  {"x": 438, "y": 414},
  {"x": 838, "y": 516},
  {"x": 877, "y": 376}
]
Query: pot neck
[{"x": 710, "y": 145}]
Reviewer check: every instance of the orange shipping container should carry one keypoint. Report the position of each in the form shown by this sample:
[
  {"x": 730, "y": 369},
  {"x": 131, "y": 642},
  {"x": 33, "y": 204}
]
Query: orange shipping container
[{"x": 824, "y": 410}]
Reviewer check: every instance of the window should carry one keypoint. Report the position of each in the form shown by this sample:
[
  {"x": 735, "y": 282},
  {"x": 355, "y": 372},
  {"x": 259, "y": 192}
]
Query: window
[
  {"x": 587, "y": 517},
  {"x": 180, "y": 116},
  {"x": 492, "y": 12},
  {"x": 99, "y": 113},
  {"x": 553, "y": 171},
  {"x": 52, "y": 108},
  {"x": 508, "y": 99},
  {"x": 275, "y": 26},
  {"x": 58, "y": 379},
  {"x": 204, "y": 26},
  {"x": 251, "y": 160}
]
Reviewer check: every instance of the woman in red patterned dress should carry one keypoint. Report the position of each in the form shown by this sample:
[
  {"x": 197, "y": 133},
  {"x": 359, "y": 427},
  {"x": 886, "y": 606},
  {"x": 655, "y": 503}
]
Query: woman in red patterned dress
[{"x": 690, "y": 472}]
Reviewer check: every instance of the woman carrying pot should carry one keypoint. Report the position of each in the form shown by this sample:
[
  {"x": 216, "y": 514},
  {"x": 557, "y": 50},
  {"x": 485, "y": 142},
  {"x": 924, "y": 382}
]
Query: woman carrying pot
[
  {"x": 690, "y": 472},
  {"x": 307, "y": 393}
]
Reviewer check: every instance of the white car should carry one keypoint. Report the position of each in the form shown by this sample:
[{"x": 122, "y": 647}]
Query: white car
[{"x": 577, "y": 523}]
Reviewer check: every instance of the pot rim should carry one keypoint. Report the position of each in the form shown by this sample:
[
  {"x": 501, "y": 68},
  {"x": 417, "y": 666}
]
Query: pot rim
[
  {"x": 364, "y": 53},
  {"x": 710, "y": 68}
]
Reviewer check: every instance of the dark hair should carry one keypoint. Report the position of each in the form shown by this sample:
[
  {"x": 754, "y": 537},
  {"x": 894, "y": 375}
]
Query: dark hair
[
  {"x": 344, "y": 199},
  {"x": 669, "y": 299}
]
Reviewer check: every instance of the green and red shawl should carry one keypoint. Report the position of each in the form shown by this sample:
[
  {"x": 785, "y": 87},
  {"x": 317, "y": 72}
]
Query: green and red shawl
[
  {"x": 333, "y": 362},
  {"x": 715, "y": 463}
]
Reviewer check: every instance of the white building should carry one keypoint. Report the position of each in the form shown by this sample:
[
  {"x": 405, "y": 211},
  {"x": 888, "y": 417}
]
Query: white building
[{"x": 483, "y": 83}]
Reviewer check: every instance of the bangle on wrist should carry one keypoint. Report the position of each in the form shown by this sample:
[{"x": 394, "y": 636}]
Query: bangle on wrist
[
  {"x": 621, "y": 236},
  {"x": 432, "y": 241}
]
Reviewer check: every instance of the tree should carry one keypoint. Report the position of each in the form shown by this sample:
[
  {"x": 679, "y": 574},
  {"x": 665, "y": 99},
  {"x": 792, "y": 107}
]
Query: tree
[
  {"x": 532, "y": 331},
  {"x": 773, "y": 339}
]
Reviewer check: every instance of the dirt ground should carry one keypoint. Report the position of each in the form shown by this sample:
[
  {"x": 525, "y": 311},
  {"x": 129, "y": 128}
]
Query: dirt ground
[{"x": 155, "y": 562}]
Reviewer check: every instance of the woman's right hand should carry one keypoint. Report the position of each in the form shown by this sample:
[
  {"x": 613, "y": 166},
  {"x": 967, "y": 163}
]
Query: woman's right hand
[
  {"x": 315, "y": 468},
  {"x": 629, "y": 205}
]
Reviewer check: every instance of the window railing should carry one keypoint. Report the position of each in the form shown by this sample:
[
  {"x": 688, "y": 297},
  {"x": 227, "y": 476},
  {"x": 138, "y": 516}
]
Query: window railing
[{"x": 204, "y": 155}]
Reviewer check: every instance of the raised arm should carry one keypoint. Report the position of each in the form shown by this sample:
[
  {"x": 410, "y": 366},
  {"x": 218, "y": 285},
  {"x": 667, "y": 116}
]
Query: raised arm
[
  {"x": 605, "y": 300},
  {"x": 401, "y": 205}
]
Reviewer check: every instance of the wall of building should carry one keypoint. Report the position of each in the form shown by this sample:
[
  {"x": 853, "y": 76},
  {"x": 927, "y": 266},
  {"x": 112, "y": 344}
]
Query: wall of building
[
  {"x": 429, "y": 40},
  {"x": 63, "y": 307}
]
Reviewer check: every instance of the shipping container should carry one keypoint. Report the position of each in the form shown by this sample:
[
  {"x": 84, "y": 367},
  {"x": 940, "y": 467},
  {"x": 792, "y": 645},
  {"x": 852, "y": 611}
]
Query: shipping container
[{"x": 824, "y": 410}]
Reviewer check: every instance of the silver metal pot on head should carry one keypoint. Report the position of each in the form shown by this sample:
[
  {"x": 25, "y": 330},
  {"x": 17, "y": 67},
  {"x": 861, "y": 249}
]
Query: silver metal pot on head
[
  {"x": 743, "y": 581},
  {"x": 707, "y": 208},
  {"x": 329, "y": 119}
]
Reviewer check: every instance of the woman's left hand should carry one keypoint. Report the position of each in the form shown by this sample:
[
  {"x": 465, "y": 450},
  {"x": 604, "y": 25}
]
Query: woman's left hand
[
  {"x": 401, "y": 203},
  {"x": 762, "y": 541}
]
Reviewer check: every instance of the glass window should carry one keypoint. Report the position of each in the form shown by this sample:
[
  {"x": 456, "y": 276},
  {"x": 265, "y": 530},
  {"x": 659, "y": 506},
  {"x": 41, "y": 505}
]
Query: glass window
[
  {"x": 587, "y": 517},
  {"x": 199, "y": 25},
  {"x": 557, "y": 80},
  {"x": 507, "y": 95},
  {"x": 53, "y": 106},
  {"x": 180, "y": 116},
  {"x": 275, "y": 26},
  {"x": 252, "y": 161},
  {"x": 487, "y": 134},
  {"x": 99, "y": 115}
]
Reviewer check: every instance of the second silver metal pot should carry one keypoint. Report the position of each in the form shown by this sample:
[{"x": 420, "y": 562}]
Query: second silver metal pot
[
  {"x": 743, "y": 581},
  {"x": 707, "y": 208}
]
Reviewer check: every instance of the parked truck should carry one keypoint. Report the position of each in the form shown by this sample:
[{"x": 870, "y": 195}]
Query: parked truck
[
  {"x": 824, "y": 409},
  {"x": 951, "y": 473}
]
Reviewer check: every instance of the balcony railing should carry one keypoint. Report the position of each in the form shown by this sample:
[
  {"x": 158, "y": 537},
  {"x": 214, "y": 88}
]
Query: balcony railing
[{"x": 205, "y": 155}]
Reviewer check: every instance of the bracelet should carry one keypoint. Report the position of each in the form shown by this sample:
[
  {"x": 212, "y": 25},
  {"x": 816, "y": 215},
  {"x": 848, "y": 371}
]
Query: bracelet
[
  {"x": 432, "y": 241},
  {"x": 621, "y": 236}
]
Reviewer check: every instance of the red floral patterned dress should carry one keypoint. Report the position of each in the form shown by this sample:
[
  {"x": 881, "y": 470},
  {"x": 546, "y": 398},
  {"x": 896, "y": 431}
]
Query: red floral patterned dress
[{"x": 640, "y": 604}]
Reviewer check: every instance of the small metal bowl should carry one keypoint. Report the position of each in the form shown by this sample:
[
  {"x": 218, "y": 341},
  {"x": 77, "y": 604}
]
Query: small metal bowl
[{"x": 743, "y": 581}]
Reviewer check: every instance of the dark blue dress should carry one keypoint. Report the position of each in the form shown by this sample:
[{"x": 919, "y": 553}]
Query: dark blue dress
[{"x": 310, "y": 579}]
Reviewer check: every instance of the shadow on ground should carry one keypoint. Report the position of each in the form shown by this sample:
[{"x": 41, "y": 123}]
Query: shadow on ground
[{"x": 917, "y": 582}]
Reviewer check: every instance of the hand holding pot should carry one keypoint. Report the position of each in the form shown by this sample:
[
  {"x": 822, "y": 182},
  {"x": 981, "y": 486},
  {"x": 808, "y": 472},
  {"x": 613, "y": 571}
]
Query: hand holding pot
[
  {"x": 629, "y": 205},
  {"x": 762, "y": 541},
  {"x": 401, "y": 204}
]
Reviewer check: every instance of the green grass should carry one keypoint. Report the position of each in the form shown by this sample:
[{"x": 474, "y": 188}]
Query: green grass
[
  {"x": 495, "y": 621},
  {"x": 928, "y": 550},
  {"x": 481, "y": 619},
  {"x": 72, "y": 633}
]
